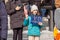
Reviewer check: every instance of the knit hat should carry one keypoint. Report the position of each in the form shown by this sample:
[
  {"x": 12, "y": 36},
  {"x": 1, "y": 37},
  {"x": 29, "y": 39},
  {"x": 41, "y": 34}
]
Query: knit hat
[{"x": 34, "y": 7}]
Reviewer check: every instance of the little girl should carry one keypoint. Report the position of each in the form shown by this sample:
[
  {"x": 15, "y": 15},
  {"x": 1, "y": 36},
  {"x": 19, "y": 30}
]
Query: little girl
[{"x": 34, "y": 23}]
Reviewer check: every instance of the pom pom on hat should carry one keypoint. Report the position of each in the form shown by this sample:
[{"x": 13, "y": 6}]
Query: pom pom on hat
[{"x": 34, "y": 7}]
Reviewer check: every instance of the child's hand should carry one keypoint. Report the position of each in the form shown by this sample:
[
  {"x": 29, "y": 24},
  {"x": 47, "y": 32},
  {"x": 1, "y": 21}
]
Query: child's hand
[
  {"x": 40, "y": 23},
  {"x": 25, "y": 12}
]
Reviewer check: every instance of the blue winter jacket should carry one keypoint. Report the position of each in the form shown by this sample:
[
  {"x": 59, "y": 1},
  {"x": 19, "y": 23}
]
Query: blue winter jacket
[{"x": 33, "y": 30}]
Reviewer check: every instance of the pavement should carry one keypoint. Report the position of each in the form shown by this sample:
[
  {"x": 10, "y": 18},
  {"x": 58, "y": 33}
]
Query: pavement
[{"x": 45, "y": 35}]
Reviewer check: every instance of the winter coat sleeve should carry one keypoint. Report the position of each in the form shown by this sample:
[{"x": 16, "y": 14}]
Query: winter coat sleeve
[
  {"x": 9, "y": 9},
  {"x": 26, "y": 22}
]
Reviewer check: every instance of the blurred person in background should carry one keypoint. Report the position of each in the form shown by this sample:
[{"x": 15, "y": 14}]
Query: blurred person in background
[
  {"x": 57, "y": 14},
  {"x": 15, "y": 10},
  {"x": 3, "y": 21}
]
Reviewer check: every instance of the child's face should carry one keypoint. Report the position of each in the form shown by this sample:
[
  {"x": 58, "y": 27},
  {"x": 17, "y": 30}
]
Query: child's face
[{"x": 35, "y": 12}]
